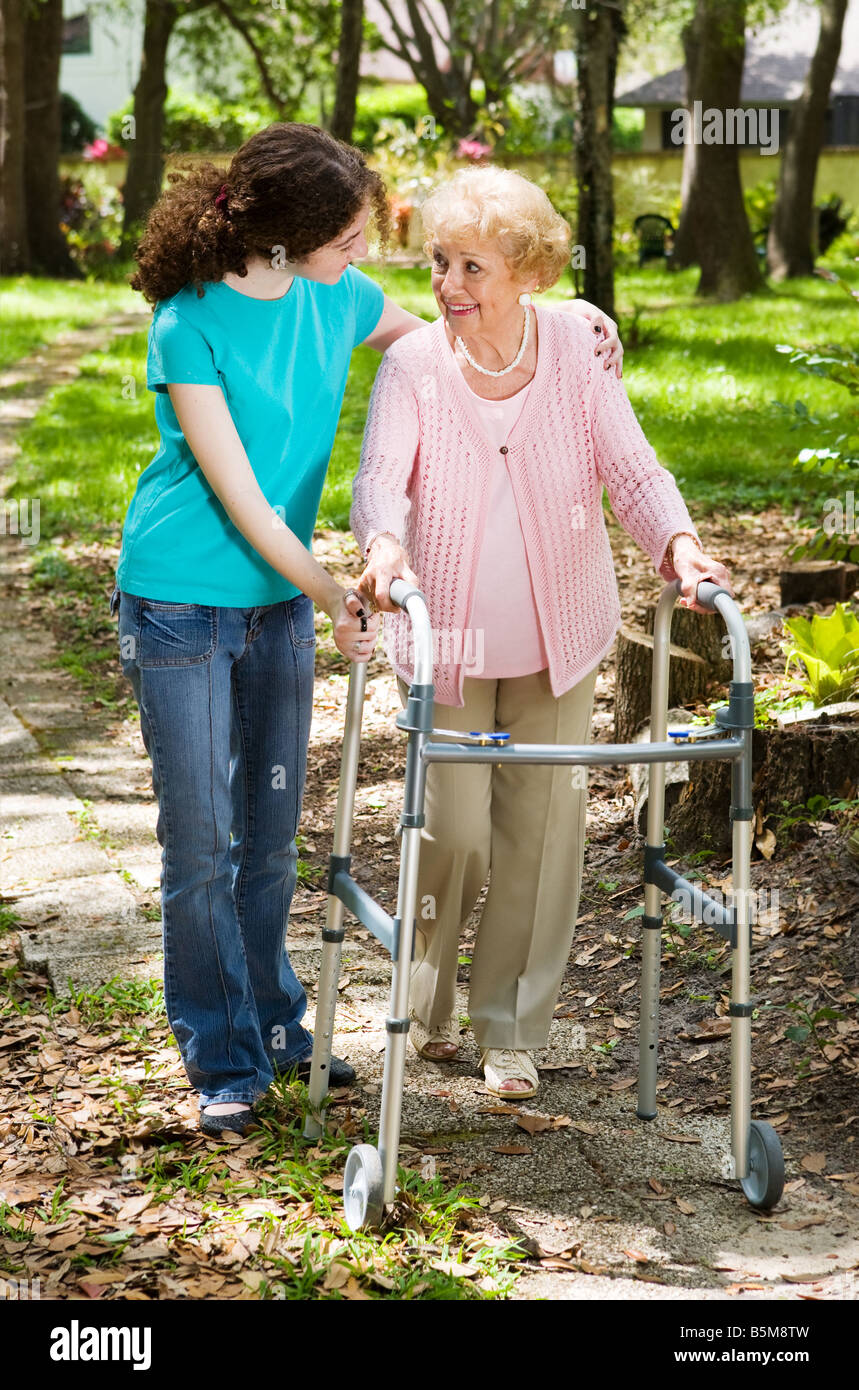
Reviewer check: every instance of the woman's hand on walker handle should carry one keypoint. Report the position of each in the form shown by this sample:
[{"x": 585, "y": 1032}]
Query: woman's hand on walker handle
[
  {"x": 691, "y": 565},
  {"x": 349, "y": 615},
  {"x": 387, "y": 561}
]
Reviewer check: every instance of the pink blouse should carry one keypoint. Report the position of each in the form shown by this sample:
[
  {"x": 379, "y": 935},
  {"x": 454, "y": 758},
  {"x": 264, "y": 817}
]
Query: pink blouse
[{"x": 503, "y": 636}]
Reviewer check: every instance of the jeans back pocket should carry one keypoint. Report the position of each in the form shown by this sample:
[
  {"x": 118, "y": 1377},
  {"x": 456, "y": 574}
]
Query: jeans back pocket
[{"x": 176, "y": 634}]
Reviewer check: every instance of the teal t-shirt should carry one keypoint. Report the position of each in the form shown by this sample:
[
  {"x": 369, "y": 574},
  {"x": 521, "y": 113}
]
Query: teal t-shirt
[{"x": 282, "y": 365}]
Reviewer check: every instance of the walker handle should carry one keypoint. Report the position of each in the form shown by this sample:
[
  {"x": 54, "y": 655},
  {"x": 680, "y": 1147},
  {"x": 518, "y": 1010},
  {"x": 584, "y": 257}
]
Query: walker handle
[
  {"x": 706, "y": 593},
  {"x": 401, "y": 590}
]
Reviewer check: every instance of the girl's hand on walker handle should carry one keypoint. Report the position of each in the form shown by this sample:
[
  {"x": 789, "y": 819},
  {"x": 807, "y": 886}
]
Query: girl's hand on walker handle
[
  {"x": 691, "y": 565},
  {"x": 355, "y": 628},
  {"x": 387, "y": 562}
]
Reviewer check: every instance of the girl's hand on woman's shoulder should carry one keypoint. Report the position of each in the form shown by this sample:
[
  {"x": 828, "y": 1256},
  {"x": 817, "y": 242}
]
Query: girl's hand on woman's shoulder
[{"x": 608, "y": 344}]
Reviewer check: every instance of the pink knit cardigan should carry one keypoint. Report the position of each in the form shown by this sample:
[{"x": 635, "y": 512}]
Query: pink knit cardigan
[{"x": 424, "y": 476}]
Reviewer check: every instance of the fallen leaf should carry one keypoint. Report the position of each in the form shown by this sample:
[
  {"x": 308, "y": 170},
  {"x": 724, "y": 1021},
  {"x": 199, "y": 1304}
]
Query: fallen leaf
[
  {"x": 766, "y": 843},
  {"x": 353, "y": 1291},
  {"x": 18, "y": 1039},
  {"x": 336, "y": 1276},
  {"x": 134, "y": 1206},
  {"x": 804, "y": 1223},
  {"x": 624, "y": 1085},
  {"x": 534, "y": 1124},
  {"x": 687, "y": 1208},
  {"x": 638, "y": 1257},
  {"x": 511, "y": 1149},
  {"x": 813, "y": 1163},
  {"x": 669, "y": 1228},
  {"x": 584, "y": 1127},
  {"x": 334, "y": 1181},
  {"x": 807, "y": 1278},
  {"x": 620, "y": 1022},
  {"x": 681, "y": 1138}
]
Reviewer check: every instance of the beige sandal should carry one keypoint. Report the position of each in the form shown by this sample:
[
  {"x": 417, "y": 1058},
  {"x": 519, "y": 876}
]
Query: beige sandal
[
  {"x": 423, "y": 1037},
  {"x": 504, "y": 1064}
]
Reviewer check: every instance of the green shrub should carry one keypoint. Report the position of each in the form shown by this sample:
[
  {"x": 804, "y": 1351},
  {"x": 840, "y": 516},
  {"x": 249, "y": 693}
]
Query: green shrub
[{"x": 196, "y": 124}]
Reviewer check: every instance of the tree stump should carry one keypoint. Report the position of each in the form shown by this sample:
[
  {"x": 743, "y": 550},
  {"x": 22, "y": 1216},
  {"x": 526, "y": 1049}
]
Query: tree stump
[
  {"x": 702, "y": 633},
  {"x": 676, "y": 774},
  {"x": 818, "y": 581},
  {"x": 790, "y": 764},
  {"x": 687, "y": 680}
]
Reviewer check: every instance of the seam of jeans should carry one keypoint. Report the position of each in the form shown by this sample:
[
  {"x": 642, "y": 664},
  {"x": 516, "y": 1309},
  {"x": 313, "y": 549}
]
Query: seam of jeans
[
  {"x": 212, "y": 929},
  {"x": 241, "y": 876}
]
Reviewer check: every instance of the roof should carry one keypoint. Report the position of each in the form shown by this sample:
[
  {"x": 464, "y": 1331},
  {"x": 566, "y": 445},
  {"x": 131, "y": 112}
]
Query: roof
[{"x": 777, "y": 59}]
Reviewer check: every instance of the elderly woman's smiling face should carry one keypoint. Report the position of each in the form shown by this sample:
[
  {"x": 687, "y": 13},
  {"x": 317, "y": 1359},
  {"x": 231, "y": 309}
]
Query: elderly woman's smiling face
[{"x": 474, "y": 286}]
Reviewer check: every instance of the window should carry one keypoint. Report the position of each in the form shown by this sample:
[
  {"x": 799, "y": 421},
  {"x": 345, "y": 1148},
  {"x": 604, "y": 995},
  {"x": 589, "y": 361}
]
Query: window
[{"x": 76, "y": 34}]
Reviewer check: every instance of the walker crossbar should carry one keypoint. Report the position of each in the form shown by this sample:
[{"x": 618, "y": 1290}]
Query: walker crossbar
[{"x": 756, "y": 1158}]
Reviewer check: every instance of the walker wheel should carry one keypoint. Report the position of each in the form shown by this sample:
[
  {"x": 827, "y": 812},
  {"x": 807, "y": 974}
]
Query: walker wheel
[
  {"x": 363, "y": 1188},
  {"x": 765, "y": 1183}
]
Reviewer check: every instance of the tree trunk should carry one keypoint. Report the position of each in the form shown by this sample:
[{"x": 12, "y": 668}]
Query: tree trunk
[
  {"x": 599, "y": 32},
  {"x": 145, "y": 173},
  {"x": 448, "y": 92},
  {"x": 14, "y": 252},
  {"x": 348, "y": 69},
  {"x": 792, "y": 234},
  {"x": 43, "y": 37},
  {"x": 714, "y": 228},
  {"x": 684, "y": 252}
]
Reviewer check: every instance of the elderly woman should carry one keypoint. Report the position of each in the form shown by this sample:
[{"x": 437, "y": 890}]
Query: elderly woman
[{"x": 490, "y": 435}]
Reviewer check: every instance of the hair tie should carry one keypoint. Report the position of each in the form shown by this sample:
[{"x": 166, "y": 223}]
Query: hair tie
[{"x": 221, "y": 199}]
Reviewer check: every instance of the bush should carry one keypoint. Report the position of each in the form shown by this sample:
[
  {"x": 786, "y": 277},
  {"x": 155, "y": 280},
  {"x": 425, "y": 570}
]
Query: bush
[
  {"x": 376, "y": 105},
  {"x": 76, "y": 127},
  {"x": 195, "y": 124},
  {"x": 91, "y": 218}
]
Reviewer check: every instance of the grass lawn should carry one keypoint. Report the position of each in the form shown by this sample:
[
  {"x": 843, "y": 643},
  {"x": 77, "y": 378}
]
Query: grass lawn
[
  {"x": 36, "y": 310},
  {"x": 703, "y": 378}
]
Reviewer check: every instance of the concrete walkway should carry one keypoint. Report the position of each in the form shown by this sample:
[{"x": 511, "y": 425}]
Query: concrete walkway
[{"x": 68, "y": 792}]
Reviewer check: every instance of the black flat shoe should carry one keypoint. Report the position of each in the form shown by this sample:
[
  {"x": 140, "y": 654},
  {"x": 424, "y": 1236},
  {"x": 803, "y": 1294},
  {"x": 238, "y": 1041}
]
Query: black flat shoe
[
  {"x": 240, "y": 1123},
  {"x": 340, "y": 1072}
]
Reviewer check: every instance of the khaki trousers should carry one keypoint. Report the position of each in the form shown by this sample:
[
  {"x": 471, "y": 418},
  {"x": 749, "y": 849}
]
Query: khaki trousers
[{"x": 525, "y": 826}]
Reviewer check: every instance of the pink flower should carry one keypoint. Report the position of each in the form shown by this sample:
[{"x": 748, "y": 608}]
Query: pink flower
[
  {"x": 472, "y": 149},
  {"x": 101, "y": 149}
]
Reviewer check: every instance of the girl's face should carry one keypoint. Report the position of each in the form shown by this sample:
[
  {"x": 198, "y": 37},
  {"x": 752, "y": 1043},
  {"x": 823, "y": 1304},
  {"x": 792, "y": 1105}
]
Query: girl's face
[
  {"x": 328, "y": 263},
  {"x": 473, "y": 285}
]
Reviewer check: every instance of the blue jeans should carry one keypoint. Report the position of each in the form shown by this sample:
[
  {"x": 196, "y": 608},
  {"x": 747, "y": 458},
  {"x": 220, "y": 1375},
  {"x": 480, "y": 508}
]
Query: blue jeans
[{"x": 225, "y": 698}]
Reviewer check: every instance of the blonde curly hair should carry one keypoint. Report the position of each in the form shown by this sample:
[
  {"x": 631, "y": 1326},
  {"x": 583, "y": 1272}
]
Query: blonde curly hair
[{"x": 501, "y": 205}]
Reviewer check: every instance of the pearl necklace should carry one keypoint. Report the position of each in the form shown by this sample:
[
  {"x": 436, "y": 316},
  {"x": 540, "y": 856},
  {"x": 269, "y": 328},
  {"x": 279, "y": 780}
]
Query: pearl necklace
[{"x": 504, "y": 370}]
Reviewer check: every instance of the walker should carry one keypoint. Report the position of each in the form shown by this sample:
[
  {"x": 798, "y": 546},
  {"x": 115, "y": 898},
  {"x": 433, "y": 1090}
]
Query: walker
[{"x": 756, "y": 1155}]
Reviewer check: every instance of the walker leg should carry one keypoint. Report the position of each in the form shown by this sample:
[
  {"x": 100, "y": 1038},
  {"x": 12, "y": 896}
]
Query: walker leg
[
  {"x": 334, "y": 931},
  {"x": 651, "y": 942},
  {"x": 741, "y": 1008},
  {"x": 397, "y": 1023}
]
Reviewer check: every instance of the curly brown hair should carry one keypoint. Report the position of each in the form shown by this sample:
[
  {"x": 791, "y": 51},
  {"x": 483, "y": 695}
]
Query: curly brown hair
[{"x": 290, "y": 186}]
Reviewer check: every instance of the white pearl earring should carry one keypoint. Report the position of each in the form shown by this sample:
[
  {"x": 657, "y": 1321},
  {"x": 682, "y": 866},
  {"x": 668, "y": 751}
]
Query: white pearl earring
[{"x": 525, "y": 299}]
